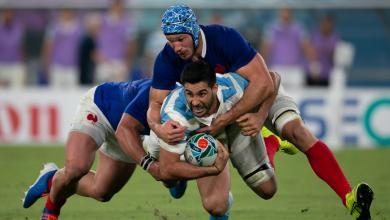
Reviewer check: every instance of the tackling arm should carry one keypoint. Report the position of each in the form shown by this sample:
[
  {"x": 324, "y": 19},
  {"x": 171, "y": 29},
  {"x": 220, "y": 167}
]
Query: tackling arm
[
  {"x": 156, "y": 98},
  {"x": 171, "y": 168},
  {"x": 249, "y": 122},
  {"x": 266, "y": 105},
  {"x": 259, "y": 89},
  {"x": 128, "y": 136},
  {"x": 171, "y": 132}
]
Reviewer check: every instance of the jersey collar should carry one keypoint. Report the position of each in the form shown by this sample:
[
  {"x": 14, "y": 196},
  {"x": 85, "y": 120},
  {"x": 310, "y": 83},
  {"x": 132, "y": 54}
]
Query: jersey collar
[{"x": 204, "y": 46}]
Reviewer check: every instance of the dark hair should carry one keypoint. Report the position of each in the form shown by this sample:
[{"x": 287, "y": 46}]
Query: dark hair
[{"x": 198, "y": 71}]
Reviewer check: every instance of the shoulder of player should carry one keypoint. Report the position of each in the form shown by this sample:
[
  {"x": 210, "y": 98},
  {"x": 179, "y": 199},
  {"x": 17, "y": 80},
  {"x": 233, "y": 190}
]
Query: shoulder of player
[
  {"x": 216, "y": 32},
  {"x": 174, "y": 100},
  {"x": 231, "y": 81},
  {"x": 227, "y": 77},
  {"x": 220, "y": 37},
  {"x": 215, "y": 28}
]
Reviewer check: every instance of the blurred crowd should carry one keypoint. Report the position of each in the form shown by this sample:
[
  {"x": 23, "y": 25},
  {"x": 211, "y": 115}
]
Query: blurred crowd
[
  {"x": 66, "y": 48},
  {"x": 288, "y": 47}
]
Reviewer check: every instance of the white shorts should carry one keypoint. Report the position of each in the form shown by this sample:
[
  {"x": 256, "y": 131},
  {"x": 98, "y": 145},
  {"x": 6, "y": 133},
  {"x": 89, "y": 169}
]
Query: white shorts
[
  {"x": 249, "y": 156},
  {"x": 90, "y": 120},
  {"x": 277, "y": 116}
]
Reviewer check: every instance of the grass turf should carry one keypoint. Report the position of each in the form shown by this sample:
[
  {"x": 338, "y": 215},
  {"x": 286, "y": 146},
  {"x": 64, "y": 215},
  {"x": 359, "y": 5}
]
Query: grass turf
[{"x": 301, "y": 195}]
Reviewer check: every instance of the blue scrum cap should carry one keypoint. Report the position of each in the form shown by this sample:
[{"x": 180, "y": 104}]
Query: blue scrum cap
[{"x": 180, "y": 19}]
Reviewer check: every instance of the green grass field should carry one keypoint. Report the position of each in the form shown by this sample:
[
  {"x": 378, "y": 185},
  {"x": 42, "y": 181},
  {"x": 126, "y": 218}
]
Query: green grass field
[{"x": 301, "y": 194}]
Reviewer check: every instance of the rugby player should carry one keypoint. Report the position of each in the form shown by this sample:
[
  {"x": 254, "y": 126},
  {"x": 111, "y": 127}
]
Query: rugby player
[
  {"x": 203, "y": 97},
  {"x": 97, "y": 126},
  {"x": 227, "y": 51}
]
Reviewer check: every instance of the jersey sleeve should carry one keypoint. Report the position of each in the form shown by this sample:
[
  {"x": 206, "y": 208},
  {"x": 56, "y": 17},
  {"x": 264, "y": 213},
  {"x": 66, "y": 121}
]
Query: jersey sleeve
[
  {"x": 138, "y": 107},
  {"x": 238, "y": 51},
  {"x": 164, "y": 71}
]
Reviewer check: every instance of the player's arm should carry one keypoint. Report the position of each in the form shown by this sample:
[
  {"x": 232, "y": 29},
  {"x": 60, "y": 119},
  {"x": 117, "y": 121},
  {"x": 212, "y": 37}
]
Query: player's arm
[
  {"x": 171, "y": 132},
  {"x": 250, "y": 65},
  {"x": 171, "y": 168},
  {"x": 259, "y": 89},
  {"x": 266, "y": 105},
  {"x": 128, "y": 136},
  {"x": 249, "y": 122}
]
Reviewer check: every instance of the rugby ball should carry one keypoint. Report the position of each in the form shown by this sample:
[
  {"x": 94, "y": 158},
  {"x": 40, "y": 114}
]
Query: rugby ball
[{"x": 201, "y": 150}]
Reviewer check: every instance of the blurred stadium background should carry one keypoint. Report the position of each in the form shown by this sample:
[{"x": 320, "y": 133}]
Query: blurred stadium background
[{"x": 51, "y": 51}]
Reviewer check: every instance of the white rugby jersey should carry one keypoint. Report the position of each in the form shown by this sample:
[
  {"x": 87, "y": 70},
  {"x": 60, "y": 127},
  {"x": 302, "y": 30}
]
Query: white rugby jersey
[{"x": 231, "y": 87}]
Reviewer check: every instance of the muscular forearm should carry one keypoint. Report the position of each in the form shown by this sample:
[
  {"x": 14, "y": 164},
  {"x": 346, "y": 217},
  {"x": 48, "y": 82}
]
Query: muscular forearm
[
  {"x": 153, "y": 116},
  {"x": 129, "y": 139},
  {"x": 254, "y": 95},
  {"x": 156, "y": 99},
  {"x": 259, "y": 89},
  {"x": 171, "y": 168},
  {"x": 266, "y": 105},
  {"x": 128, "y": 136},
  {"x": 185, "y": 171},
  {"x": 131, "y": 145}
]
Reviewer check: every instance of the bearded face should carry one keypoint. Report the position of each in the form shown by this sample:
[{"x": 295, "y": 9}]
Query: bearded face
[{"x": 200, "y": 98}]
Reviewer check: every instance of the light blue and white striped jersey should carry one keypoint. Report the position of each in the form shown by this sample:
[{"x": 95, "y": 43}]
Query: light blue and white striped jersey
[{"x": 231, "y": 88}]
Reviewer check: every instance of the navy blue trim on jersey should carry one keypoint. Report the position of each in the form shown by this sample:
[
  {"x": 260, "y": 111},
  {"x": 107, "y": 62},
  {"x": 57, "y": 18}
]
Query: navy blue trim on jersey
[{"x": 226, "y": 51}]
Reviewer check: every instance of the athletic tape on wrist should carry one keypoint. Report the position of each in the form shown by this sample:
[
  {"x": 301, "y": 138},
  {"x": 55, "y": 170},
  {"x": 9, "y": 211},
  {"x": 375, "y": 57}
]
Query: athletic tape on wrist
[{"x": 146, "y": 161}]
